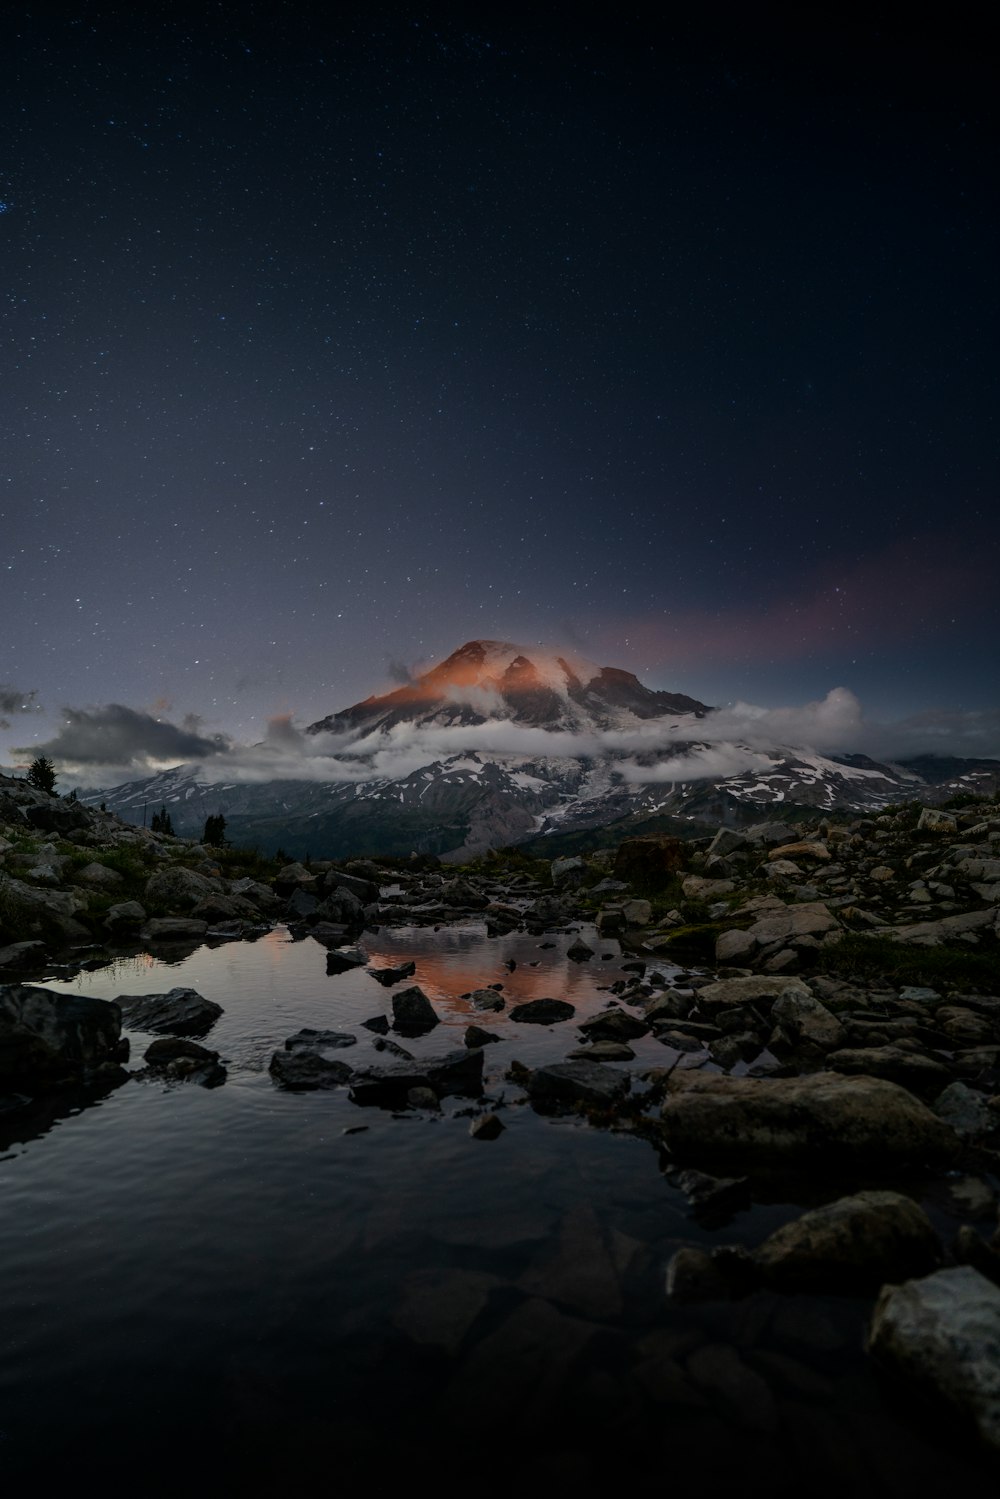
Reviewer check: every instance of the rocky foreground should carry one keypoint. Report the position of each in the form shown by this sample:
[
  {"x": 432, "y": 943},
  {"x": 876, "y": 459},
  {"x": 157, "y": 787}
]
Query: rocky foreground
[{"x": 827, "y": 999}]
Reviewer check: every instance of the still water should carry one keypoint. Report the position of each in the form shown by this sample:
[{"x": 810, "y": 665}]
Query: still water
[{"x": 244, "y": 1289}]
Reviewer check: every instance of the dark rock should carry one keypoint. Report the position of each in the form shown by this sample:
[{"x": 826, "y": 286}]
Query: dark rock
[
  {"x": 579, "y": 952},
  {"x": 342, "y": 959},
  {"x": 486, "y": 1127},
  {"x": 390, "y": 976},
  {"x": 487, "y": 999},
  {"x": 412, "y": 1012},
  {"x": 641, "y": 859},
  {"x": 48, "y": 1036},
  {"x": 854, "y": 1243},
  {"x": 543, "y": 1011},
  {"x": 21, "y": 955},
  {"x": 305, "y": 1071},
  {"x": 186, "y": 1061},
  {"x": 173, "y": 929},
  {"x": 378, "y": 1023},
  {"x": 179, "y": 1012},
  {"x": 614, "y": 1025},
  {"x": 455, "y": 1073},
  {"x": 577, "y": 1083},
  {"x": 476, "y": 1036}
]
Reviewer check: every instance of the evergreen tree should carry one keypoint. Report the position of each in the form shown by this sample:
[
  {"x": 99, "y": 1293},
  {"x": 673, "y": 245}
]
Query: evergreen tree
[
  {"x": 215, "y": 831},
  {"x": 42, "y": 774},
  {"x": 162, "y": 822}
]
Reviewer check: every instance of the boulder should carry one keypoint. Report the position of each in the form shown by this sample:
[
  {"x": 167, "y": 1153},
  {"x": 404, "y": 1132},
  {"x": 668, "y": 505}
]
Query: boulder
[
  {"x": 911, "y": 1069},
  {"x": 579, "y": 952},
  {"x": 126, "y": 916},
  {"x": 456, "y": 1073},
  {"x": 179, "y": 889},
  {"x": 185, "y": 1061},
  {"x": 305, "y": 1070},
  {"x": 179, "y": 1012},
  {"x": 862, "y": 1121},
  {"x": 567, "y": 871},
  {"x": 46, "y": 1036},
  {"x": 308, "y": 1039},
  {"x": 487, "y": 999},
  {"x": 614, "y": 1025},
  {"x": 173, "y": 929},
  {"x": 637, "y": 913},
  {"x": 818, "y": 852},
  {"x": 854, "y": 1243},
  {"x": 412, "y": 1012},
  {"x": 943, "y": 1333},
  {"x": 726, "y": 993},
  {"x": 574, "y": 1084},
  {"x": 98, "y": 877},
  {"x": 931, "y": 820},
  {"x": 19, "y": 956},
  {"x": 803, "y": 1018},
  {"x": 966, "y": 1111}
]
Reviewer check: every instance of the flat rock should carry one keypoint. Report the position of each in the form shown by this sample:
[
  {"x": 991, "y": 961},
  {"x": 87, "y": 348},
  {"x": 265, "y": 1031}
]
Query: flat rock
[
  {"x": 726, "y": 993},
  {"x": 173, "y": 929},
  {"x": 943, "y": 1332},
  {"x": 614, "y": 1025},
  {"x": 308, "y": 1039},
  {"x": 864, "y": 1120},
  {"x": 855, "y": 1242},
  {"x": 577, "y": 1083},
  {"x": 343, "y": 959},
  {"x": 543, "y": 1011},
  {"x": 389, "y": 976},
  {"x": 911, "y": 1069},
  {"x": 458, "y": 1073},
  {"x": 179, "y": 1012},
  {"x": 487, "y": 999}
]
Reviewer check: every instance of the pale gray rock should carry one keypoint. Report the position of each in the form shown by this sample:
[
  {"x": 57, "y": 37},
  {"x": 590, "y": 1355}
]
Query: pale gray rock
[
  {"x": 726, "y": 993},
  {"x": 943, "y": 1332},
  {"x": 803, "y": 1018}
]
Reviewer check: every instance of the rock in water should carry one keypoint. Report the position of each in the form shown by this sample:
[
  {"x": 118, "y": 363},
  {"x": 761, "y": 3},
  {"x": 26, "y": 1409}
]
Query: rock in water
[
  {"x": 943, "y": 1332},
  {"x": 543, "y": 1011},
  {"x": 412, "y": 1012},
  {"x": 179, "y": 1012},
  {"x": 47, "y": 1035}
]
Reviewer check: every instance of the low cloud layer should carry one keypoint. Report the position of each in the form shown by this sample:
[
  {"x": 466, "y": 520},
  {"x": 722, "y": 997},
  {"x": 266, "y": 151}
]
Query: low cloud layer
[
  {"x": 107, "y": 745},
  {"x": 114, "y": 735},
  {"x": 14, "y": 701}
]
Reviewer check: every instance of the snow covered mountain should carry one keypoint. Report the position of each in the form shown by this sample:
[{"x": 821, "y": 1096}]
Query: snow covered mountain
[{"x": 555, "y": 749}]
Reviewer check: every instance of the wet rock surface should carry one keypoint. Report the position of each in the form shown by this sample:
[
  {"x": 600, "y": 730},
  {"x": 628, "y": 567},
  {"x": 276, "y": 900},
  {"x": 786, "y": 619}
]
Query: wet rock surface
[{"x": 179, "y": 1012}]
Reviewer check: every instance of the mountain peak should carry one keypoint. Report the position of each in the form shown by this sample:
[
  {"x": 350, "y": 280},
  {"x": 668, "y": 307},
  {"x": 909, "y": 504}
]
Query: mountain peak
[{"x": 498, "y": 679}]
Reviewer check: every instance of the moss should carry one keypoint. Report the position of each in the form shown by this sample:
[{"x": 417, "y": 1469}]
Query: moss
[{"x": 857, "y": 956}]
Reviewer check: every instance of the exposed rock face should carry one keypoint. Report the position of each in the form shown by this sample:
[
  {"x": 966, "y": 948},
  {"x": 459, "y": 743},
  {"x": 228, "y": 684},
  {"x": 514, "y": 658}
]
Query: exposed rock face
[
  {"x": 180, "y": 888},
  {"x": 943, "y": 1332},
  {"x": 802, "y": 1119},
  {"x": 853, "y": 1243},
  {"x": 46, "y": 1036},
  {"x": 179, "y": 1012}
]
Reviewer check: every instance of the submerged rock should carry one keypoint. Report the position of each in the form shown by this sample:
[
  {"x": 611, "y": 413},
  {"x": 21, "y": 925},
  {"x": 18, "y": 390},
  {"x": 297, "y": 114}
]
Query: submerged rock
[
  {"x": 185, "y": 1061},
  {"x": 390, "y": 976},
  {"x": 305, "y": 1071},
  {"x": 179, "y": 1012}
]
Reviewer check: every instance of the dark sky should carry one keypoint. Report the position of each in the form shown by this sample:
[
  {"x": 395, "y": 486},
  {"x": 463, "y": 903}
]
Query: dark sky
[{"x": 332, "y": 344}]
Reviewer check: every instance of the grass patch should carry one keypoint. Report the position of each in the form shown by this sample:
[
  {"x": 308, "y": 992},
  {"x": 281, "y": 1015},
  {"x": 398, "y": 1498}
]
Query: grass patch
[{"x": 856, "y": 956}]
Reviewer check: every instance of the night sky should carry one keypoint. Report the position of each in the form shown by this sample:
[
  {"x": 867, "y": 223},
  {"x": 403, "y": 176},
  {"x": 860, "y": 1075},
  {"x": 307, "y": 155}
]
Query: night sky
[{"x": 330, "y": 345}]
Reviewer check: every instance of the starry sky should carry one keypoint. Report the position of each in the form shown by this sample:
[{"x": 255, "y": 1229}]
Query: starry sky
[{"x": 331, "y": 344}]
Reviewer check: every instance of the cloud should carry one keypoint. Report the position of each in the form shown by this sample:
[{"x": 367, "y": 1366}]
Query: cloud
[
  {"x": 104, "y": 746},
  {"x": 13, "y": 700},
  {"x": 114, "y": 735}
]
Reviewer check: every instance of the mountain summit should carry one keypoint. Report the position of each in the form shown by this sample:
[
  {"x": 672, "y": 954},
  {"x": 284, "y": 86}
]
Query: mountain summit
[{"x": 494, "y": 679}]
